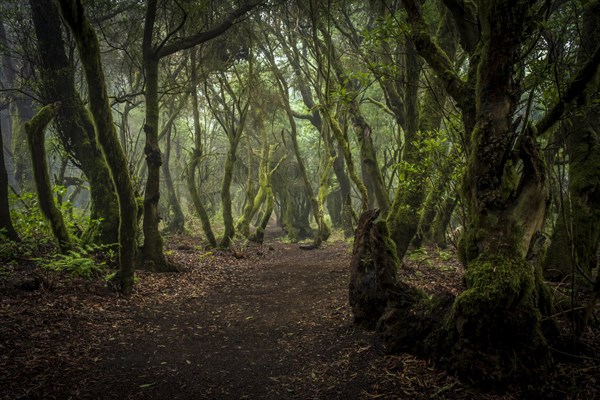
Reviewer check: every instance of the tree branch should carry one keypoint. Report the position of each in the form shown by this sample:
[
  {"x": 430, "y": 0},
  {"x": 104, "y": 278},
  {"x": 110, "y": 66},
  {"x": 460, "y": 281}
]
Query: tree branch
[
  {"x": 464, "y": 14},
  {"x": 576, "y": 91},
  {"x": 437, "y": 59},
  {"x": 204, "y": 36}
]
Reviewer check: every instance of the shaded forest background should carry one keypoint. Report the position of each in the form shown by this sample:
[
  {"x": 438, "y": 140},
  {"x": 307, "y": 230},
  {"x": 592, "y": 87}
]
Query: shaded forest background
[{"x": 399, "y": 124}]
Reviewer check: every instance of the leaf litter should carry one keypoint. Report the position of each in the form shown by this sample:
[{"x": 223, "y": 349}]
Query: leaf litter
[{"x": 263, "y": 322}]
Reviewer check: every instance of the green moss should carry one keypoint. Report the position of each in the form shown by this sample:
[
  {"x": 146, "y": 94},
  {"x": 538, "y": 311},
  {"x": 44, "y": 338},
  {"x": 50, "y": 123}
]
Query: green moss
[
  {"x": 467, "y": 245},
  {"x": 510, "y": 180},
  {"x": 495, "y": 325},
  {"x": 389, "y": 243},
  {"x": 495, "y": 282}
]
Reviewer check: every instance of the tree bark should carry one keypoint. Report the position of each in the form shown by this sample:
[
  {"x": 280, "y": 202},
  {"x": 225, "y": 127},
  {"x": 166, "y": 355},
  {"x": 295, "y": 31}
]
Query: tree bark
[
  {"x": 35, "y": 139},
  {"x": 75, "y": 126},
  {"x": 89, "y": 53}
]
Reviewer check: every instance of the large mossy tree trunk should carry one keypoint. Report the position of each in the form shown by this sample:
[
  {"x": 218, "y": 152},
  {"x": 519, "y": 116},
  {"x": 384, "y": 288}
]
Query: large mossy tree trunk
[
  {"x": 36, "y": 138},
  {"x": 496, "y": 323},
  {"x": 89, "y": 53},
  {"x": 6, "y": 226},
  {"x": 75, "y": 126},
  {"x": 493, "y": 334}
]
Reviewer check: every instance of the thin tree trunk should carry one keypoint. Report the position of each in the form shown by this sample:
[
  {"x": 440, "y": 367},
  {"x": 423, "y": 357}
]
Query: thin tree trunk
[
  {"x": 226, "y": 193},
  {"x": 152, "y": 255},
  {"x": 177, "y": 223},
  {"x": 35, "y": 139}
]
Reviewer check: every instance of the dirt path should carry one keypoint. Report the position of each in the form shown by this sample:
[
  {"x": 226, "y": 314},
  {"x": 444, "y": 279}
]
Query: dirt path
[
  {"x": 276, "y": 329},
  {"x": 267, "y": 322}
]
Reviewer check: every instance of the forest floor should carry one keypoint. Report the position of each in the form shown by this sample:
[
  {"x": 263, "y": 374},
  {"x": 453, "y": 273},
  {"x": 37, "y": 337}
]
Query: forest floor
[{"x": 263, "y": 322}]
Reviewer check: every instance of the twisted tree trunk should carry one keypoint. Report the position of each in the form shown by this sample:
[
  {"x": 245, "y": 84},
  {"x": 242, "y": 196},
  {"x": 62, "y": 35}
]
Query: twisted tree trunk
[{"x": 37, "y": 149}]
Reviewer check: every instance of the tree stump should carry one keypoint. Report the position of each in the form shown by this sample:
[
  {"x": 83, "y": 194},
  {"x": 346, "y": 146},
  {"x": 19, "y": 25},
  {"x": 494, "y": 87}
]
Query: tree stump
[{"x": 372, "y": 270}]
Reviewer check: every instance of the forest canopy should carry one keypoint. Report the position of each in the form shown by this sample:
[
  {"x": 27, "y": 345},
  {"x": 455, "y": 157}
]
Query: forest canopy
[{"x": 400, "y": 125}]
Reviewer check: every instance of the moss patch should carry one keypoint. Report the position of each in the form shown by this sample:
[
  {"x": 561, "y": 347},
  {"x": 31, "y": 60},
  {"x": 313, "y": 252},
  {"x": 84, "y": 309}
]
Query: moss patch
[{"x": 495, "y": 324}]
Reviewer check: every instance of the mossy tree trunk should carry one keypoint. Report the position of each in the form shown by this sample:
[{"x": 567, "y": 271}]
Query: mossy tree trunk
[
  {"x": 265, "y": 191},
  {"x": 36, "y": 138},
  {"x": 259, "y": 235},
  {"x": 226, "y": 193},
  {"x": 434, "y": 204},
  {"x": 89, "y": 53},
  {"x": 152, "y": 255},
  {"x": 242, "y": 226},
  {"x": 496, "y": 321},
  {"x": 6, "y": 225},
  {"x": 75, "y": 126}
]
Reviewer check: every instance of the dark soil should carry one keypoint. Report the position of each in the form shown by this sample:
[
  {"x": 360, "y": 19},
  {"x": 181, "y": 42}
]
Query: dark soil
[{"x": 262, "y": 322}]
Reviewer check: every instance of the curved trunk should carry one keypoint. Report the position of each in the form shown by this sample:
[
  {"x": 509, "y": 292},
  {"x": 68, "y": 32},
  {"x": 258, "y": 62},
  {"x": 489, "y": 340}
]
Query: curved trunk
[
  {"x": 344, "y": 145},
  {"x": 345, "y": 192},
  {"x": 252, "y": 196},
  {"x": 35, "y": 139},
  {"x": 198, "y": 206},
  {"x": 177, "y": 223},
  {"x": 89, "y": 53},
  {"x": 226, "y": 196},
  {"x": 496, "y": 323},
  {"x": 259, "y": 235}
]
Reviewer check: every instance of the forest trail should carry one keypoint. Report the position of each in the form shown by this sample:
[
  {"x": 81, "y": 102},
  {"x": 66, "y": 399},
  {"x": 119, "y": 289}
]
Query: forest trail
[
  {"x": 276, "y": 329},
  {"x": 264, "y": 322}
]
